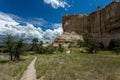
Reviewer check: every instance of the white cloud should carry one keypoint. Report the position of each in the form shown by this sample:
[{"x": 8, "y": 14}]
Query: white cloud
[
  {"x": 49, "y": 35},
  {"x": 57, "y": 3},
  {"x": 9, "y": 25},
  {"x": 57, "y": 25},
  {"x": 34, "y": 21}
]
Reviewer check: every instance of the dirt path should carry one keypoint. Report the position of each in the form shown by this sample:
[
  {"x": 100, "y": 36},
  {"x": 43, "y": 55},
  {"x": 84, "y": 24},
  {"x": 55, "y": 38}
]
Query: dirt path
[{"x": 30, "y": 72}]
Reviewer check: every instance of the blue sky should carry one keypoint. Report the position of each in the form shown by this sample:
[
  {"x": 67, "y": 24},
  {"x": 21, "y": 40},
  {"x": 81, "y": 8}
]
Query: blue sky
[
  {"x": 43, "y": 14},
  {"x": 41, "y": 9}
]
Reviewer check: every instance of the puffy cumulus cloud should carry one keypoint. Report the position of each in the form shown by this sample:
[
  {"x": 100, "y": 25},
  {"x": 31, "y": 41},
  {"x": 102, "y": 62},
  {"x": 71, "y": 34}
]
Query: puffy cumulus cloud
[
  {"x": 5, "y": 18},
  {"x": 50, "y": 35},
  {"x": 9, "y": 26},
  {"x": 57, "y": 3}
]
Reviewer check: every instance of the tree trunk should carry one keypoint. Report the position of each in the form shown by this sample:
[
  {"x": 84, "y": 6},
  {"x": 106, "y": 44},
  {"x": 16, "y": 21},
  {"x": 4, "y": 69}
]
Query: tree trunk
[{"x": 11, "y": 56}]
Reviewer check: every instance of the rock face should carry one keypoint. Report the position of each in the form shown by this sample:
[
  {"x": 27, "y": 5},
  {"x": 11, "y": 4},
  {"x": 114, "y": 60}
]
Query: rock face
[
  {"x": 103, "y": 24},
  {"x": 76, "y": 23},
  {"x": 67, "y": 39}
]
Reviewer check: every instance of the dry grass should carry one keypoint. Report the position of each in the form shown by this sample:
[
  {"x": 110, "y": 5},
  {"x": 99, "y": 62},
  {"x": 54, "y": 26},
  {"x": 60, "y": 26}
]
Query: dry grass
[
  {"x": 78, "y": 66},
  {"x": 13, "y": 70}
]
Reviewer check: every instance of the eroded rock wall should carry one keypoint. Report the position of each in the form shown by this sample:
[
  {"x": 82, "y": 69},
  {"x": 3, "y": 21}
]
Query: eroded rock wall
[
  {"x": 110, "y": 22},
  {"x": 76, "y": 23},
  {"x": 102, "y": 25}
]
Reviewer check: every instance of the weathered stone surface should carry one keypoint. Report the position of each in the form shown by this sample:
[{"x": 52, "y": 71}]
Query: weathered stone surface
[
  {"x": 67, "y": 38},
  {"x": 76, "y": 23},
  {"x": 102, "y": 25}
]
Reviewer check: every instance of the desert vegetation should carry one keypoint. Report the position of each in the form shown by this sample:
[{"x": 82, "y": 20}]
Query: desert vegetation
[
  {"x": 14, "y": 46},
  {"x": 91, "y": 45},
  {"x": 10, "y": 70},
  {"x": 78, "y": 66},
  {"x": 59, "y": 63}
]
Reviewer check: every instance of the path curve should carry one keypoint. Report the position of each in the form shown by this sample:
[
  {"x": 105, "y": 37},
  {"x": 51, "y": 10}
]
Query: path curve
[{"x": 30, "y": 72}]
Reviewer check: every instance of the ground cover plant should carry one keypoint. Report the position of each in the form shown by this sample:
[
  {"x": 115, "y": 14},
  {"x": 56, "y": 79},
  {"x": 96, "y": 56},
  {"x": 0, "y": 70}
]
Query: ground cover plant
[
  {"x": 10, "y": 70},
  {"x": 78, "y": 66}
]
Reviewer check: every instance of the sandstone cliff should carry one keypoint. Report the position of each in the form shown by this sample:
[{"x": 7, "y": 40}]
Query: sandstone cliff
[{"x": 102, "y": 25}]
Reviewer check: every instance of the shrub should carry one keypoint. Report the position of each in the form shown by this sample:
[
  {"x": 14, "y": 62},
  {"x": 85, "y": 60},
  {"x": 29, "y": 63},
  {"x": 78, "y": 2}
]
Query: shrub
[
  {"x": 101, "y": 45},
  {"x": 81, "y": 43},
  {"x": 40, "y": 49},
  {"x": 116, "y": 47},
  {"x": 111, "y": 44},
  {"x": 92, "y": 45},
  {"x": 60, "y": 48},
  {"x": 48, "y": 50},
  {"x": 34, "y": 43}
]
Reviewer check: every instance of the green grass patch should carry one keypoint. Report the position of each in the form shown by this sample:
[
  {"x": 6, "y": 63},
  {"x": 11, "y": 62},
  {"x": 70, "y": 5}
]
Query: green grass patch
[
  {"x": 78, "y": 66},
  {"x": 13, "y": 70},
  {"x": 4, "y": 61}
]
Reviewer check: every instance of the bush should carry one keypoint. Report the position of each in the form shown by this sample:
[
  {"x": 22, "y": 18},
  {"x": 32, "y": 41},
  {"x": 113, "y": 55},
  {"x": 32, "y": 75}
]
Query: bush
[
  {"x": 60, "y": 48},
  {"x": 115, "y": 45},
  {"x": 101, "y": 45},
  {"x": 92, "y": 45},
  {"x": 39, "y": 49},
  {"x": 111, "y": 44},
  {"x": 45, "y": 50},
  {"x": 50, "y": 49},
  {"x": 81, "y": 43},
  {"x": 34, "y": 43}
]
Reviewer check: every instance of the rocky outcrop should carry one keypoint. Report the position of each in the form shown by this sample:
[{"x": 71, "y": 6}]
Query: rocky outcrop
[
  {"x": 103, "y": 24},
  {"x": 67, "y": 39}
]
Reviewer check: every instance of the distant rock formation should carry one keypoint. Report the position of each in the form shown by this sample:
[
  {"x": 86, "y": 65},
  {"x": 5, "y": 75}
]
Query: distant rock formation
[
  {"x": 67, "y": 38},
  {"x": 102, "y": 24}
]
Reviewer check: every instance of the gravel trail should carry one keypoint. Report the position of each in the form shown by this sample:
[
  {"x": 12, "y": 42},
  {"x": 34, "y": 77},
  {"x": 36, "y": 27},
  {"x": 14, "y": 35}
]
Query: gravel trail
[{"x": 30, "y": 72}]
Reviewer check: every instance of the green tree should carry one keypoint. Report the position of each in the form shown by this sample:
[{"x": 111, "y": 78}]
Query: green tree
[
  {"x": 111, "y": 44},
  {"x": 15, "y": 47},
  {"x": 9, "y": 44},
  {"x": 117, "y": 46},
  {"x": 34, "y": 43},
  {"x": 41, "y": 43},
  {"x": 50, "y": 49},
  {"x": 18, "y": 49},
  {"x": 93, "y": 45}
]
